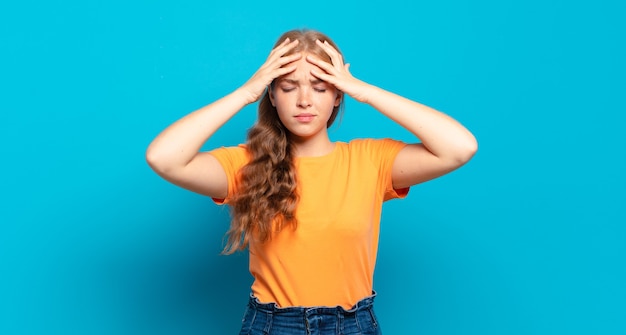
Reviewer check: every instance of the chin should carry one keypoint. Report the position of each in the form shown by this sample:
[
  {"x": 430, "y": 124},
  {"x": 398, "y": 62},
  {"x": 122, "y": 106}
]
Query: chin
[{"x": 302, "y": 135}]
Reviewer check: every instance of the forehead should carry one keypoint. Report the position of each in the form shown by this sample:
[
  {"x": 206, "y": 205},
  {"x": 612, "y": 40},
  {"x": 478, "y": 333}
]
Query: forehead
[{"x": 302, "y": 72}]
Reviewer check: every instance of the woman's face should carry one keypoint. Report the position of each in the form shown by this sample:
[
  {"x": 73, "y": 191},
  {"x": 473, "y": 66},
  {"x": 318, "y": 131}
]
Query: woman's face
[{"x": 304, "y": 102}]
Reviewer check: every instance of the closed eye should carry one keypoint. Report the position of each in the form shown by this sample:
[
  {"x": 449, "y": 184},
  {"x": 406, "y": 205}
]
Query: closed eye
[{"x": 287, "y": 89}]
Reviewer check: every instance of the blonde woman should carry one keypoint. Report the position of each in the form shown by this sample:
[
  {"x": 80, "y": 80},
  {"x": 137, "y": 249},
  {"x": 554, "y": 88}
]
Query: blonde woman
[{"x": 307, "y": 208}]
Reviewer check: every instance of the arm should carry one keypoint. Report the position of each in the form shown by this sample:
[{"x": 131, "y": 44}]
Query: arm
[
  {"x": 174, "y": 153},
  {"x": 445, "y": 143}
]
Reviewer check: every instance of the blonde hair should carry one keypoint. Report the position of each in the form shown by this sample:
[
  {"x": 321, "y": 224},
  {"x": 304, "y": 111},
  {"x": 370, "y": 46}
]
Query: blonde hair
[{"x": 267, "y": 198}]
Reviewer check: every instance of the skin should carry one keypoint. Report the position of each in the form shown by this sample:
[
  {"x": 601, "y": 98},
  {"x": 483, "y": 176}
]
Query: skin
[
  {"x": 304, "y": 104},
  {"x": 445, "y": 144}
]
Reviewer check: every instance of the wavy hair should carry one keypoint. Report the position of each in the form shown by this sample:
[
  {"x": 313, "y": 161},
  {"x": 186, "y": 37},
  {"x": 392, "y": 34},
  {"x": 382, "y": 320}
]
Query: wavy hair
[{"x": 267, "y": 198}]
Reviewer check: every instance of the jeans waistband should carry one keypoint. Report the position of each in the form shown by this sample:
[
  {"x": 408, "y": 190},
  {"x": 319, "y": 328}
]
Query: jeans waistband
[{"x": 362, "y": 304}]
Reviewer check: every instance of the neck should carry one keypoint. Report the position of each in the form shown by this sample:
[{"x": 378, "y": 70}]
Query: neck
[{"x": 312, "y": 147}]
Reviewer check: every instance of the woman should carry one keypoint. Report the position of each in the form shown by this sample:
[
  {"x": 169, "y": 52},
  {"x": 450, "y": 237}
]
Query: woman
[{"x": 308, "y": 209}]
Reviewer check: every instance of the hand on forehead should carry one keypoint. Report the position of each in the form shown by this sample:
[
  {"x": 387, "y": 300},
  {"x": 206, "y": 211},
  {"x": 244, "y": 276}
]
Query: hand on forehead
[{"x": 303, "y": 72}]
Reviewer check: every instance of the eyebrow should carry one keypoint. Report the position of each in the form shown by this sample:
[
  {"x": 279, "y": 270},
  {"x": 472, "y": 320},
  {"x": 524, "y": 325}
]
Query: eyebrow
[{"x": 293, "y": 81}]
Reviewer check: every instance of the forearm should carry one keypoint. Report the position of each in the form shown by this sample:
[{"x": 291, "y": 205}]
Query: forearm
[
  {"x": 443, "y": 136},
  {"x": 177, "y": 145}
]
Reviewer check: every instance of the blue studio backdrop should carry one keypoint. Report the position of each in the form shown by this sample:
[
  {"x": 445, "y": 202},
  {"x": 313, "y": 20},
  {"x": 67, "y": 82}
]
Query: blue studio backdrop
[{"x": 527, "y": 238}]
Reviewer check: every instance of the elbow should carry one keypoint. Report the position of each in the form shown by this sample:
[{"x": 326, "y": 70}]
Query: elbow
[
  {"x": 465, "y": 151},
  {"x": 468, "y": 150},
  {"x": 152, "y": 159},
  {"x": 156, "y": 161}
]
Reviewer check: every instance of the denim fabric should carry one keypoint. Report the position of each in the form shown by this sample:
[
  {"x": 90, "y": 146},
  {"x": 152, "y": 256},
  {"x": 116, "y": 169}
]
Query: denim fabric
[{"x": 267, "y": 319}]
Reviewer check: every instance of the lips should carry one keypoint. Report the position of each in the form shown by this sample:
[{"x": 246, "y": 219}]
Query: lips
[{"x": 305, "y": 117}]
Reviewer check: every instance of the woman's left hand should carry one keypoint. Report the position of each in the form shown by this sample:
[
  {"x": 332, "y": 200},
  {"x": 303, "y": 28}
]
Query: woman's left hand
[{"x": 337, "y": 73}]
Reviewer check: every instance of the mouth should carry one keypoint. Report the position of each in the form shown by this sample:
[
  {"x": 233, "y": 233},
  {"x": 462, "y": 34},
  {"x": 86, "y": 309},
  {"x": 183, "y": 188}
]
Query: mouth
[{"x": 304, "y": 117}]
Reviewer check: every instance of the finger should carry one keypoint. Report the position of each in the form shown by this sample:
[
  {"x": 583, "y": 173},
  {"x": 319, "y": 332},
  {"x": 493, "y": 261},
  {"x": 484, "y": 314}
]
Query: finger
[
  {"x": 280, "y": 72},
  {"x": 285, "y": 41},
  {"x": 285, "y": 70},
  {"x": 281, "y": 44},
  {"x": 289, "y": 59},
  {"x": 275, "y": 50},
  {"x": 284, "y": 47},
  {"x": 276, "y": 61},
  {"x": 334, "y": 55},
  {"x": 323, "y": 76},
  {"x": 283, "y": 61},
  {"x": 283, "y": 66},
  {"x": 320, "y": 63},
  {"x": 279, "y": 52}
]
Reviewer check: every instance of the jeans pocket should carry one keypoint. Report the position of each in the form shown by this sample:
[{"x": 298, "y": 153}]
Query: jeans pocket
[
  {"x": 377, "y": 330},
  {"x": 247, "y": 320},
  {"x": 367, "y": 322}
]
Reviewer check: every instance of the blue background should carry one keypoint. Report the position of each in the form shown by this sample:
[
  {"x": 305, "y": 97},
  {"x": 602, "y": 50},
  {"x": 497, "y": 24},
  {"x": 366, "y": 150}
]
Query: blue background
[{"x": 528, "y": 238}]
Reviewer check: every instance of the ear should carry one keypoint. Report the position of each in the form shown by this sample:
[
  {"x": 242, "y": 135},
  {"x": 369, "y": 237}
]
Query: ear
[
  {"x": 338, "y": 98},
  {"x": 270, "y": 92}
]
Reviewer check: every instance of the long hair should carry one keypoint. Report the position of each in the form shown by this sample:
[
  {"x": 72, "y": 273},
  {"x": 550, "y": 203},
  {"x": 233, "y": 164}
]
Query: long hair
[{"x": 267, "y": 198}]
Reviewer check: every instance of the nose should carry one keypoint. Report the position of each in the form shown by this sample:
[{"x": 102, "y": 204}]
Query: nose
[{"x": 304, "y": 97}]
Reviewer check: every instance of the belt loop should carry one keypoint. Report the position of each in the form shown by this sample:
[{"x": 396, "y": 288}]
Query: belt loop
[
  {"x": 373, "y": 316},
  {"x": 340, "y": 315},
  {"x": 268, "y": 323}
]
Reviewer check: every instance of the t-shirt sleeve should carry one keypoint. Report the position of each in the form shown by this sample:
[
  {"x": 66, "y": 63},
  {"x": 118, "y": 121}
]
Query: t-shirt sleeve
[
  {"x": 232, "y": 160},
  {"x": 383, "y": 153}
]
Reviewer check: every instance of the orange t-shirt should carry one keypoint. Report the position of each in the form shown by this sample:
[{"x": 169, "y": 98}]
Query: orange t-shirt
[{"x": 329, "y": 259}]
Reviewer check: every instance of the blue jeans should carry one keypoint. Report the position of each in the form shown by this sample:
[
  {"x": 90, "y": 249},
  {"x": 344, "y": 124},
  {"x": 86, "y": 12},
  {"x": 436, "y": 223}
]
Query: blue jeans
[{"x": 268, "y": 319}]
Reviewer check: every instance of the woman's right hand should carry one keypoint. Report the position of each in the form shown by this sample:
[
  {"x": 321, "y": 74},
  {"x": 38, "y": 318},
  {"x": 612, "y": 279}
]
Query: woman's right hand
[
  {"x": 276, "y": 65},
  {"x": 175, "y": 153}
]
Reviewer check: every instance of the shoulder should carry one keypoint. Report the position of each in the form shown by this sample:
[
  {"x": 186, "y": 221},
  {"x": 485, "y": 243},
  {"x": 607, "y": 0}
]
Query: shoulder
[
  {"x": 232, "y": 157},
  {"x": 239, "y": 150},
  {"x": 379, "y": 152},
  {"x": 373, "y": 145}
]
